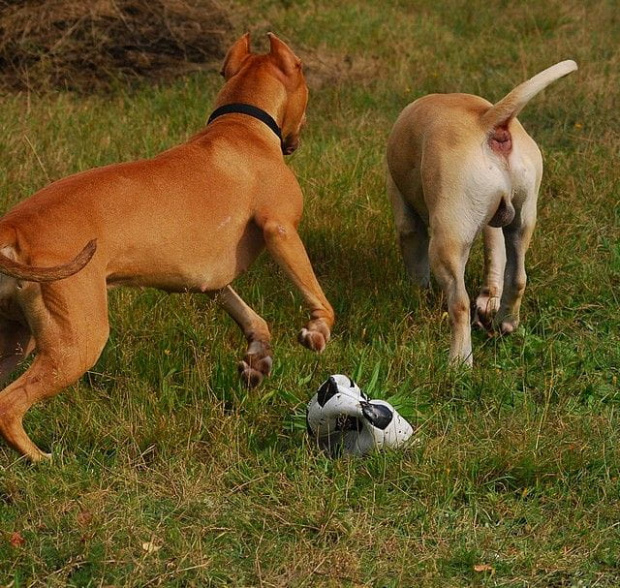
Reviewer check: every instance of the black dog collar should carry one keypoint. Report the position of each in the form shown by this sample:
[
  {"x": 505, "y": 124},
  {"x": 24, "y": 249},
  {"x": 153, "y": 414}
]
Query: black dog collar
[{"x": 254, "y": 112}]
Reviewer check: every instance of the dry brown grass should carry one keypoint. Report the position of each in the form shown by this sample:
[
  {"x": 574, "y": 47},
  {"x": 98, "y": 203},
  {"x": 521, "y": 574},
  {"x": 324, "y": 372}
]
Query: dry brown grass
[{"x": 88, "y": 46}]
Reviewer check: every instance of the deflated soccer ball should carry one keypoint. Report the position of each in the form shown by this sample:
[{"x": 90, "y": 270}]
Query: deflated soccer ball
[{"x": 342, "y": 419}]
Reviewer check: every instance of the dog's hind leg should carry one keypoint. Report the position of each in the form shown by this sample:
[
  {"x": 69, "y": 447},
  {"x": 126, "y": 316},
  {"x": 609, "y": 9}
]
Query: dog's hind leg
[
  {"x": 488, "y": 301},
  {"x": 16, "y": 343},
  {"x": 412, "y": 235},
  {"x": 70, "y": 329},
  {"x": 257, "y": 361},
  {"x": 517, "y": 237},
  {"x": 448, "y": 252}
]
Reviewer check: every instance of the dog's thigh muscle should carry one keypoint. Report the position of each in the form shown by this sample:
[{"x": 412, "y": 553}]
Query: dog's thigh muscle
[{"x": 69, "y": 321}]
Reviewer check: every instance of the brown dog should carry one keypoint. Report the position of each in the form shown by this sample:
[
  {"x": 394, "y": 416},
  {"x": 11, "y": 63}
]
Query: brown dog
[
  {"x": 191, "y": 219},
  {"x": 458, "y": 165}
]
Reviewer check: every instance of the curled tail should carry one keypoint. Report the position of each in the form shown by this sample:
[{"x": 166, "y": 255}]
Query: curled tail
[
  {"x": 509, "y": 107},
  {"x": 20, "y": 271}
]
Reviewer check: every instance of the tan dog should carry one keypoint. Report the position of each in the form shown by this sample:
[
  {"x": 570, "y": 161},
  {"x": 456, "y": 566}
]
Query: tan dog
[
  {"x": 458, "y": 165},
  {"x": 191, "y": 219}
]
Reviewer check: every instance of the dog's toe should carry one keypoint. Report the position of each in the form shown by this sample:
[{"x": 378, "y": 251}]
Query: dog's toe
[
  {"x": 508, "y": 327},
  {"x": 313, "y": 340},
  {"x": 481, "y": 320},
  {"x": 315, "y": 335},
  {"x": 254, "y": 367},
  {"x": 260, "y": 363},
  {"x": 484, "y": 311},
  {"x": 250, "y": 376},
  {"x": 256, "y": 364}
]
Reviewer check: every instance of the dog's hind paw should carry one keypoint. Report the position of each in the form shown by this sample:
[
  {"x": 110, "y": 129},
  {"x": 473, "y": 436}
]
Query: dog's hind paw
[
  {"x": 484, "y": 312},
  {"x": 508, "y": 326}
]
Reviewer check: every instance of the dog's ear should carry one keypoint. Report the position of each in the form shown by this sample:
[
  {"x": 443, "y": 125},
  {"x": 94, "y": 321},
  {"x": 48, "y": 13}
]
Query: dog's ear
[
  {"x": 235, "y": 57},
  {"x": 286, "y": 60}
]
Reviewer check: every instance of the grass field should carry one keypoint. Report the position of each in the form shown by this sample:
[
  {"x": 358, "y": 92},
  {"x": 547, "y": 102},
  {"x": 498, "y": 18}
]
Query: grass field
[{"x": 167, "y": 472}]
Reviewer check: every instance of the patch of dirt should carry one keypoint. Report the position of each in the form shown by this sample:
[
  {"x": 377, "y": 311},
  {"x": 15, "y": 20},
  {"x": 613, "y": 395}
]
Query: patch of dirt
[{"x": 89, "y": 46}]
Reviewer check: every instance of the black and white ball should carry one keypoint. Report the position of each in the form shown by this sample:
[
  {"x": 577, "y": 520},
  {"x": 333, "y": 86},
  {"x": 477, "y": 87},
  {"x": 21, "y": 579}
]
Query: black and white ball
[{"x": 342, "y": 419}]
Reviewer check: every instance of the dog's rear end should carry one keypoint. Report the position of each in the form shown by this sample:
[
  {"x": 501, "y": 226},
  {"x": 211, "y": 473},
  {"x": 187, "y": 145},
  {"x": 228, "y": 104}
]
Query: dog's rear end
[{"x": 457, "y": 165}]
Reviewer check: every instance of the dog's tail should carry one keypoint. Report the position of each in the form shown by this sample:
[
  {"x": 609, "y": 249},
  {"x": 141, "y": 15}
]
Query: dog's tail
[
  {"x": 509, "y": 107},
  {"x": 14, "y": 269}
]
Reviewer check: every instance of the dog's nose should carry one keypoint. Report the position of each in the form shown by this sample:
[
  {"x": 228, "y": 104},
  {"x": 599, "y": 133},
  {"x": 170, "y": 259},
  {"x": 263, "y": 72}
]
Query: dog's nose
[{"x": 290, "y": 146}]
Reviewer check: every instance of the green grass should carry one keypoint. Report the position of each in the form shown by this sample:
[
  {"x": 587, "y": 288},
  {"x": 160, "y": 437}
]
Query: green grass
[{"x": 167, "y": 472}]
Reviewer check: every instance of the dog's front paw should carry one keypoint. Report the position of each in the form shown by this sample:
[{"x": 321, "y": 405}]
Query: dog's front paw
[
  {"x": 315, "y": 336},
  {"x": 256, "y": 364},
  {"x": 250, "y": 376}
]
